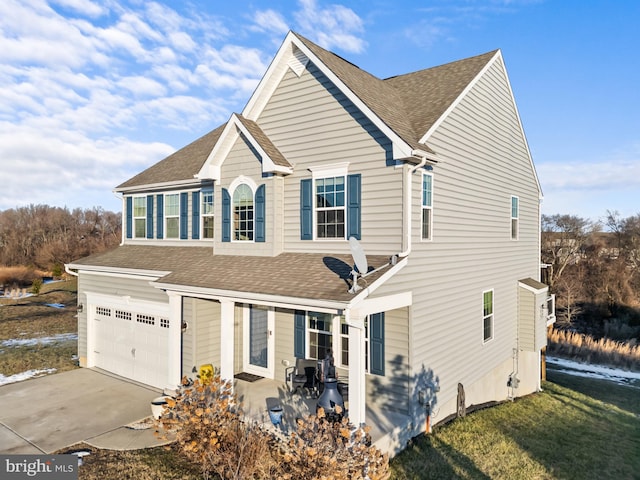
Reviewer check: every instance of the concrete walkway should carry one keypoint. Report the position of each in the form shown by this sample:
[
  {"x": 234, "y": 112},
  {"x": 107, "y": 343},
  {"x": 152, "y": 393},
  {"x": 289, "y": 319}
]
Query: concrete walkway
[{"x": 46, "y": 414}]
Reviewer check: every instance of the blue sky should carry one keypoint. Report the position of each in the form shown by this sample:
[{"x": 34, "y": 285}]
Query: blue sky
[{"x": 92, "y": 92}]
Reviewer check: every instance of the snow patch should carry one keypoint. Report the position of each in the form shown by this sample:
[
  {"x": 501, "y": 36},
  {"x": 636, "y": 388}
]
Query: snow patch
[
  {"x": 19, "y": 377},
  {"x": 21, "y": 342},
  {"x": 571, "y": 367}
]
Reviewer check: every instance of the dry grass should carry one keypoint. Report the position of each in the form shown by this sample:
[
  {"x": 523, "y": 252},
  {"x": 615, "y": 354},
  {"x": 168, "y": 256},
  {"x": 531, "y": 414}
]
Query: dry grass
[
  {"x": 587, "y": 349},
  {"x": 18, "y": 276},
  {"x": 30, "y": 317}
]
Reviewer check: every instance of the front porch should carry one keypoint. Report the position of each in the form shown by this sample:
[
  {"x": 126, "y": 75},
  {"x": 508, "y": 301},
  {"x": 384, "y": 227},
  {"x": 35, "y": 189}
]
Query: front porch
[{"x": 390, "y": 430}]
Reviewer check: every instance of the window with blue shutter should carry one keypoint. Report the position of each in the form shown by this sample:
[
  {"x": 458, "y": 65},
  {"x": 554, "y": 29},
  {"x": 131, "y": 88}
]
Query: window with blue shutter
[
  {"x": 195, "y": 215},
  {"x": 129, "y": 217},
  {"x": 299, "y": 334},
  {"x": 376, "y": 343},
  {"x": 353, "y": 205},
  {"x": 184, "y": 215},
  {"x": 306, "y": 209},
  {"x": 226, "y": 215},
  {"x": 160, "y": 216},
  {"x": 260, "y": 214},
  {"x": 149, "y": 216}
]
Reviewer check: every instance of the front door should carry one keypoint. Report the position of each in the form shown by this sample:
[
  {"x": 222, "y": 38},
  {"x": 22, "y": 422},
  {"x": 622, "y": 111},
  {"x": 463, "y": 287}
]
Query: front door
[{"x": 258, "y": 340}]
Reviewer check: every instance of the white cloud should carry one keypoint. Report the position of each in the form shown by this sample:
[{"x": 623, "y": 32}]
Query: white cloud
[
  {"x": 334, "y": 26},
  {"x": 86, "y": 7},
  {"x": 270, "y": 21}
]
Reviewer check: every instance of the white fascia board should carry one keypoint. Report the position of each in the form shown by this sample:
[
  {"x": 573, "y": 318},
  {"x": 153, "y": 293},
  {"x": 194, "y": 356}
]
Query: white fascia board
[
  {"x": 180, "y": 184},
  {"x": 327, "y": 306},
  {"x": 118, "y": 272},
  {"x": 378, "y": 283},
  {"x": 268, "y": 166},
  {"x": 382, "y": 304},
  {"x": 278, "y": 68},
  {"x": 455, "y": 103},
  {"x": 211, "y": 166}
]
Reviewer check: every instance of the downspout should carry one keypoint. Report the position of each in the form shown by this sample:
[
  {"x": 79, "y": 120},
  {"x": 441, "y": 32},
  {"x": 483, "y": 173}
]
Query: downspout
[{"x": 406, "y": 207}]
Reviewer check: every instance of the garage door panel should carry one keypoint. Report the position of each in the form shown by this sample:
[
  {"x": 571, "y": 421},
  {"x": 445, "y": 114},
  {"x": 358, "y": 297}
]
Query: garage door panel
[{"x": 130, "y": 341}]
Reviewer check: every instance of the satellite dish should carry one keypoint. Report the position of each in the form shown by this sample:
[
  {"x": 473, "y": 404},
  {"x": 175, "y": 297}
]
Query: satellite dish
[{"x": 359, "y": 257}]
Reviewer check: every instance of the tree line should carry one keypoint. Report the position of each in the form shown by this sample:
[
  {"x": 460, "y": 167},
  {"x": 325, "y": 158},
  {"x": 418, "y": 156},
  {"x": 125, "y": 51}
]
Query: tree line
[
  {"x": 594, "y": 273},
  {"x": 46, "y": 237}
]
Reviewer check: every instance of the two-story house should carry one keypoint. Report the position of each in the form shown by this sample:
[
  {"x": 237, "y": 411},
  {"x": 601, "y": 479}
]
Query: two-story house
[{"x": 236, "y": 248}]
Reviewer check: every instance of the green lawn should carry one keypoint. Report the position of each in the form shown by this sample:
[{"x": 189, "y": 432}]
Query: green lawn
[{"x": 575, "y": 429}]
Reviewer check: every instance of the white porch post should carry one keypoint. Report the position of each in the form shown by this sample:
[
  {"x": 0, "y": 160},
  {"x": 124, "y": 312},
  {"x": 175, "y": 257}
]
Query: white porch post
[
  {"x": 174, "y": 375},
  {"x": 227, "y": 314},
  {"x": 357, "y": 387}
]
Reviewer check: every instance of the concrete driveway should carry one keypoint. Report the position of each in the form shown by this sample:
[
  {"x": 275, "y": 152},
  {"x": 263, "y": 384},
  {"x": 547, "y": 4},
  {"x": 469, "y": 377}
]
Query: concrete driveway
[{"x": 52, "y": 412}]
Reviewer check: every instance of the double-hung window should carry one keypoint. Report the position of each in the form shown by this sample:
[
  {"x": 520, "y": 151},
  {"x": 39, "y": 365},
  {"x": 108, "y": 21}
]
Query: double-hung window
[
  {"x": 172, "y": 215},
  {"x": 140, "y": 217},
  {"x": 207, "y": 214},
  {"x": 330, "y": 207},
  {"x": 515, "y": 217},
  {"x": 344, "y": 343},
  {"x": 427, "y": 205},
  {"x": 487, "y": 315}
]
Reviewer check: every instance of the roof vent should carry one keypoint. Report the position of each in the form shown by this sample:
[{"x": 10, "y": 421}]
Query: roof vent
[{"x": 298, "y": 61}]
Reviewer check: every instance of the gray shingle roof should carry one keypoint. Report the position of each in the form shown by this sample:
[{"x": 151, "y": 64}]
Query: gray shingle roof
[
  {"x": 408, "y": 104},
  {"x": 181, "y": 165},
  {"x": 265, "y": 142},
  {"x": 299, "y": 275}
]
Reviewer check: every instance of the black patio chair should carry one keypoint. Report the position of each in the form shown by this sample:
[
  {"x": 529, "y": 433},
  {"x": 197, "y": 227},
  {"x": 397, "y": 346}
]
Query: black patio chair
[{"x": 302, "y": 375}]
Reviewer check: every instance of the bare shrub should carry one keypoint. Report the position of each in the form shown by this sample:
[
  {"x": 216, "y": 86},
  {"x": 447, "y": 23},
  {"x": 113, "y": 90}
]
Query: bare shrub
[
  {"x": 321, "y": 449},
  {"x": 17, "y": 276},
  {"x": 210, "y": 432},
  {"x": 586, "y": 348}
]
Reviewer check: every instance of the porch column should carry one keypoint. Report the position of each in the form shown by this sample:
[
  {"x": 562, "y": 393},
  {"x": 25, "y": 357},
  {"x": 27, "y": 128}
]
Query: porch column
[
  {"x": 227, "y": 340},
  {"x": 357, "y": 387},
  {"x": 174, "y": 376}
]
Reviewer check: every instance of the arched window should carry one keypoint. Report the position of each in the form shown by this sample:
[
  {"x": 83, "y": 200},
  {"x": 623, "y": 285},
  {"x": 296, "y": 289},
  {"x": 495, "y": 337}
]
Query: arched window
[{"x": 243, "y": 213}]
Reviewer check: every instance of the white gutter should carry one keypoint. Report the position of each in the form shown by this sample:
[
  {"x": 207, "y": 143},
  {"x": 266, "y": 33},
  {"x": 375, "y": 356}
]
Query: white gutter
[
  {"x": 66, "y": 269},
  {"x": 408, "y": 194}
]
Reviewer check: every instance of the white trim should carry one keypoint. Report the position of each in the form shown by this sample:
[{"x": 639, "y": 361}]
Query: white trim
[
  {"x": 134, "y": 218},
  {"x": 430, "y": 208},
  {"x": 383, "y": 304},
  {"x": 242, "y": 180},
  {"x": 150, "y": 275},
  {"x": 512, "y": 218},
  {"x": 253, "y": 186},
  {"x": 333, "y": 170},
  {"x": 493, "y": 315},
  {"x": 279, "y": 65},
  {"x": 166, "y": 217},
  {"x": 368, "y": 290},
  {"x": 174, "y": 354},
  {"x": 227, "y": 340},
  {"x": 267, "y": 372},
  {"x": 146, "y": 189}
]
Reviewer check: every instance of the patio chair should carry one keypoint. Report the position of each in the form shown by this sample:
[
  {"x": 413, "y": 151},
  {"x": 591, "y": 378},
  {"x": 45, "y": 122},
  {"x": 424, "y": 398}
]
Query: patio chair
[{"x": 302, "y": 375}]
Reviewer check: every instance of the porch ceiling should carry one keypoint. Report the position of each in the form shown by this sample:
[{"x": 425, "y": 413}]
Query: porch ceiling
[{"x": 313, "y": 276}]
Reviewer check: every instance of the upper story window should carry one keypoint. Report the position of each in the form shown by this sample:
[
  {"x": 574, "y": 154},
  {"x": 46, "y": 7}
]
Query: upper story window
[
  {"x": 172, "y": 215},
  {"x": 330, "y": 207},
  {"x": 487, "y": 315},
  {"x": 515, "y": 217},
  {"x": 243, "y": 214},
  {"x": 140, "y": 217},
  {"x": 330, "y": 204},
  {"x": 207, "y": 214},
  {"x": 427, "y": 205}
]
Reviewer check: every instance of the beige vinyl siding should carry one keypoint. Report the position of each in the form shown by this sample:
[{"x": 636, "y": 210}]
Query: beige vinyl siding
[
  {"x": 111, "y": 285},
  {"x": 483, "y": 161},
  {"x": 188, "y": 336},
  {"x": 207, "y": 333},
  {"x": 241, "y": 160},
  {"x": 391, "y": 391},
  {"x": 283, "y": 342},
  {"x": 325, "y": 128},
  {"x": 526, "y": 319}
]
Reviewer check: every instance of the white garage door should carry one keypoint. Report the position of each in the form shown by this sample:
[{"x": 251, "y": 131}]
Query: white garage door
[{"x": 131, "y": 339}]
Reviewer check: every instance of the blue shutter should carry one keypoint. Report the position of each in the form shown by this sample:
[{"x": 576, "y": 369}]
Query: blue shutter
[
  {"x": 376, "y": 343},
  {"x": 353, "y": 205},
  {"x": 195, "y": 215},
  {"x": 160, "y": 216},
  {"x": 129, "y": 217},
  {"x": 149, "y": 216},
  {"x": 299, "y": 335},
  {"x": 226, "y": 215},
  {"x": 260, "y": 213},
  {"x": 184, "y": 215},
  {"x": 306, "y": 209}
]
